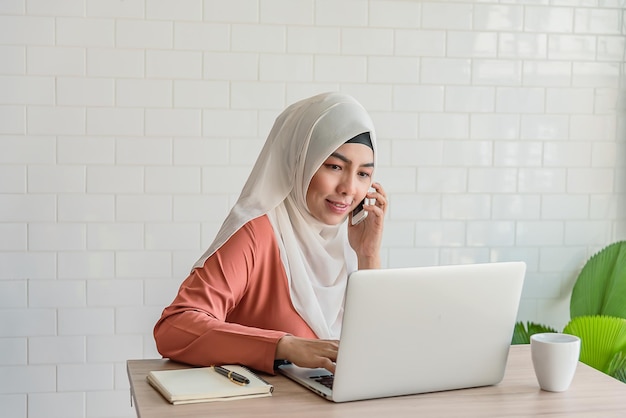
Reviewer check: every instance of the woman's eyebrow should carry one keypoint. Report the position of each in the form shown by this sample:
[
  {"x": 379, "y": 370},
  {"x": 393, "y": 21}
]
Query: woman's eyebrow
[{"x": 347, "y": 160}]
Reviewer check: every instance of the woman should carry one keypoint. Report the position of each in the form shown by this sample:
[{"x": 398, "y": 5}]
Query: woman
[{"x": 271, "y": 285}]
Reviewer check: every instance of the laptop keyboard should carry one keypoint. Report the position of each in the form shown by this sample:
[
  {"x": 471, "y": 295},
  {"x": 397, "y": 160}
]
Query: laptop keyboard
[{"x": 326, "y": 380}]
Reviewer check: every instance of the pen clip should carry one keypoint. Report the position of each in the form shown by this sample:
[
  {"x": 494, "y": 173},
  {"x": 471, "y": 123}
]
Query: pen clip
[{"x": 232, "y": 379}]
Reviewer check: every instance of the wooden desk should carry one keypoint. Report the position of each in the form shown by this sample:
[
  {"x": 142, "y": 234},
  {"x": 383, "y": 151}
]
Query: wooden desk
[{"x": 592, "y": 394}]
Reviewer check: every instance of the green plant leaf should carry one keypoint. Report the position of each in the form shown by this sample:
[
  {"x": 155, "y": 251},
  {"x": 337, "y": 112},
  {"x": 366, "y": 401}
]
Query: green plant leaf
[
  {"x": 601, "y": 337},
  {"x": 600, "y": 288},
  {"x": 521, "y": 333},
  {"x": 617, "y": 366}
]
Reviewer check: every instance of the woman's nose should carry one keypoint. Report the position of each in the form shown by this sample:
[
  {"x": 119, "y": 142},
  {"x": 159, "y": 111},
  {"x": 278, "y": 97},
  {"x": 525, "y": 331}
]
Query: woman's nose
[{"x": 347, "y": 185}]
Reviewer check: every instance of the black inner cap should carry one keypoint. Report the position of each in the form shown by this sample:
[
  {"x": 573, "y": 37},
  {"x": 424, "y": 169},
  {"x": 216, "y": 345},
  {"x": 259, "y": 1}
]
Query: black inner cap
[{"x": 363, "y": 138}]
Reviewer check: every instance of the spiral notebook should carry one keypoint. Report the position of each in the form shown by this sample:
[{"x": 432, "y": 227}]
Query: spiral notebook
[{"x": 204, "y": 384}]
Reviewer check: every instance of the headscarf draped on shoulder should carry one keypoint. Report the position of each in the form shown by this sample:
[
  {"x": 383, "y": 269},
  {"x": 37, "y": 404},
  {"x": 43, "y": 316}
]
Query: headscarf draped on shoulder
[{"x": 317, "y": 257}]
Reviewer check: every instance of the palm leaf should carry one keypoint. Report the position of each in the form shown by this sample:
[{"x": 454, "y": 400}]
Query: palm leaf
[
  {"x": 601, "y": 337},
  {"x": 521, "y": 333},
  {"x": 617, "y": 366},
  {"x": 600, "y": 288}
]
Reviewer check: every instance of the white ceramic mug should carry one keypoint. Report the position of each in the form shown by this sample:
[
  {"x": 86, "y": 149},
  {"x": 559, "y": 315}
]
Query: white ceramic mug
[{"x": 555, "y": 357}]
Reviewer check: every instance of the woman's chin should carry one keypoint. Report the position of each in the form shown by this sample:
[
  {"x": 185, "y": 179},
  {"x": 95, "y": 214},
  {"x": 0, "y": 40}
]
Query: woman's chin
[{"x": 336, "y": 220}]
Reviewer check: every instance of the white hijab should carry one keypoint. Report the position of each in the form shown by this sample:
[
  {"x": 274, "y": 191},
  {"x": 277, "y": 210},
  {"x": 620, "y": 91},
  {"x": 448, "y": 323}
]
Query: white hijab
[{"x": 317, "y": 258}]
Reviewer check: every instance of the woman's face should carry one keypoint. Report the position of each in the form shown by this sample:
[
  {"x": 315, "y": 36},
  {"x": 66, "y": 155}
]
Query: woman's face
[{"x": 340, "y": 183}]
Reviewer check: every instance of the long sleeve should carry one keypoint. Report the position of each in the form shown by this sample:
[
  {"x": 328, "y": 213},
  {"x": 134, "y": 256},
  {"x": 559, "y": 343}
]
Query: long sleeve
[{"x": 234, "y": 309}]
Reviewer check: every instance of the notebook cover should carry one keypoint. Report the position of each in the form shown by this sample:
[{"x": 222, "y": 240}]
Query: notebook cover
[{"x": 203, "y": 384}]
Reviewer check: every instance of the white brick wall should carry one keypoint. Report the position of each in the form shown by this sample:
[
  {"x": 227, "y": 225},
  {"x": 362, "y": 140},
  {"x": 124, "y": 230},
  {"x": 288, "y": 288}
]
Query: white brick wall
[{"x": 128, "y": 128}]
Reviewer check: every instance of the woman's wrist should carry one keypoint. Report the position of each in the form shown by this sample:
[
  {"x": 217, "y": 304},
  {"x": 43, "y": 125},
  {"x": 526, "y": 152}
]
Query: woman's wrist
[
  {"x": 366, "y": 263},
  {"x": 282, "y": 348}
]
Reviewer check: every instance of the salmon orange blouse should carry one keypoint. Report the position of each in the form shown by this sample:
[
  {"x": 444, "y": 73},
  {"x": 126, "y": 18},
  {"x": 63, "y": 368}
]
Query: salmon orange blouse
[{"x": 234, "y": 309}]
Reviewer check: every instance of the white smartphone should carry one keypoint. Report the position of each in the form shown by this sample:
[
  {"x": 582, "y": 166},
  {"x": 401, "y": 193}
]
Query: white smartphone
[{"x": 359, "y": 214}]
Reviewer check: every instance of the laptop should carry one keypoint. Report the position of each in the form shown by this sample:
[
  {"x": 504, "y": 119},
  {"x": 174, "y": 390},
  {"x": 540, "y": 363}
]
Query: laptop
[{"x": 421, "y": 329}]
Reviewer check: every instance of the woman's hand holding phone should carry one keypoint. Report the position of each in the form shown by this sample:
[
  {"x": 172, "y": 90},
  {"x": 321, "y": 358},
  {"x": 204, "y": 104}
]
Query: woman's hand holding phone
[{"x": 366, "y": 237}]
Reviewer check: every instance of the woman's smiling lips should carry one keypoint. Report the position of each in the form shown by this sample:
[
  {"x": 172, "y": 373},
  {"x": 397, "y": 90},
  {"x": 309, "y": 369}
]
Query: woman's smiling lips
[{"x": 337, "y": 207}]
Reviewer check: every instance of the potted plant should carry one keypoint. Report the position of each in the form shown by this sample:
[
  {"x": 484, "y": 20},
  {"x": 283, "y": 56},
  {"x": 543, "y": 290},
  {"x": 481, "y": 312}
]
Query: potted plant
[{"x": 597, "y": 311}]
